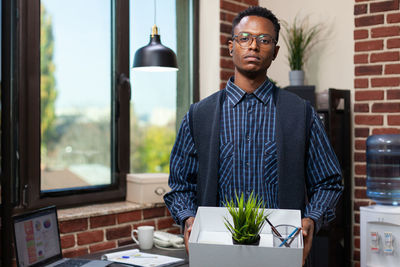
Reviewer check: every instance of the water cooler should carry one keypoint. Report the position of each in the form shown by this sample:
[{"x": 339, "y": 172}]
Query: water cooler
[{"x": 380, "y": 223}]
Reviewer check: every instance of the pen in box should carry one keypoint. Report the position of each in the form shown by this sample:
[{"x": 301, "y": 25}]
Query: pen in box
[
  {"x": 294, "y": 233},
  {"x": 276, "y": 232}
]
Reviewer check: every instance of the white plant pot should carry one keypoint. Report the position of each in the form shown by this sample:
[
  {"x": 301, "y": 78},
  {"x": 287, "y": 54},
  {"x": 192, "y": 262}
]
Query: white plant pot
[{"x": 296, "y": 77}]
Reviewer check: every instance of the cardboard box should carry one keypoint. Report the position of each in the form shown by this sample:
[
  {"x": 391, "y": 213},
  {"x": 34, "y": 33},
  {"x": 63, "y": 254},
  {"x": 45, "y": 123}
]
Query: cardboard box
[
  {"x": 146, "y": 188},
  {"x": 210, "y": 243}
]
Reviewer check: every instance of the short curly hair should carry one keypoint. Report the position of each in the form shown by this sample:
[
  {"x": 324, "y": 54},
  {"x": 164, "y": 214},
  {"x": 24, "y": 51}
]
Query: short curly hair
[{"x": 260, "y": 12}]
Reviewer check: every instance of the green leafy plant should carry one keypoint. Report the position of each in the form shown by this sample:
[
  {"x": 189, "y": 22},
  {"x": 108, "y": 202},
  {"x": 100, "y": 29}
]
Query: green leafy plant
[
  {"x": 248, "y": 218},
  {"x": 299, "y": 37}
]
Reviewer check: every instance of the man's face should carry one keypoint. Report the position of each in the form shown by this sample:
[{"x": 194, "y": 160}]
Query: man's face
[{"x": 256, "y": 58}]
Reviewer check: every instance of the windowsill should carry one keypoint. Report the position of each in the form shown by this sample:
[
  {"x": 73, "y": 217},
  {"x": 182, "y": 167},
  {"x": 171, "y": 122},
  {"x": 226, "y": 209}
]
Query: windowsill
[
  {"x": 102, "y": 209},
  {"x": 117, "y": 207}
]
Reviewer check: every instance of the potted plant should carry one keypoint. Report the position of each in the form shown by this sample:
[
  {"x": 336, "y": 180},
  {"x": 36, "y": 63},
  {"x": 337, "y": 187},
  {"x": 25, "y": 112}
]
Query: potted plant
[
  {"x": 299, "y": 37},
  {"x": 248, "y": 219}
]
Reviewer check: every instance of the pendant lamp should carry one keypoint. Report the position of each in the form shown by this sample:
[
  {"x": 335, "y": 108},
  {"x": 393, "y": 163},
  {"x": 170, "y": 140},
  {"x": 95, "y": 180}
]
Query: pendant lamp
[{"x": 155, "y": 56}]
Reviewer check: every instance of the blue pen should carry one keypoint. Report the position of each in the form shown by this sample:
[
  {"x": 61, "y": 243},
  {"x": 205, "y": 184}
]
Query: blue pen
[
  {"x": 287, "y": 238},
  {"x": 138, "y": 256}
]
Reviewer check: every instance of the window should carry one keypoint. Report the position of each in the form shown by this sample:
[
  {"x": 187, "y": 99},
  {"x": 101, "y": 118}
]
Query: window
[
  {"x": 75, "y": 94},
  {"x": 160, "y": 99},
  {"x": 153, "y": 105},
  {"x": 73, "y": 123}
]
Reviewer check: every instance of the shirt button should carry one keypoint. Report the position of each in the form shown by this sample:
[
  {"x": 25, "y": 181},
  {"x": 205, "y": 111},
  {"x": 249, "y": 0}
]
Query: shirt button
[
  {"x": 247, "y": 164},
  {"x": 248, "y": 138}
]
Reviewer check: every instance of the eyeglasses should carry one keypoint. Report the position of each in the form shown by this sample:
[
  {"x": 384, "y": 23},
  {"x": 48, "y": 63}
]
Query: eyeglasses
[{"x": 245, "y": 39}]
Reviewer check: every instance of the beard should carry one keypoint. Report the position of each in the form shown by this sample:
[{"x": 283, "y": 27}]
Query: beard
[{"x": 252, "y": 73}]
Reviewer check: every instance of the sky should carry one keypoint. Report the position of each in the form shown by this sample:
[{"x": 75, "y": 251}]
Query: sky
[{"x": 82, "y": 52}]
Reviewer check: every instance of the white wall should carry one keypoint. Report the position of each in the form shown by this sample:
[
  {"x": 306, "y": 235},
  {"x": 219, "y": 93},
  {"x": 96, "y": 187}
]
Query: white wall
[
  {"x": 330, "y": 64},
  {"x": 209, "y": 47}
]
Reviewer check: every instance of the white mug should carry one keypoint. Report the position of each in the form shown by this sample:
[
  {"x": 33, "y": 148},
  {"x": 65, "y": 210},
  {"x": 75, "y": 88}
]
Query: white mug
[{"x": 145, "y": 236}]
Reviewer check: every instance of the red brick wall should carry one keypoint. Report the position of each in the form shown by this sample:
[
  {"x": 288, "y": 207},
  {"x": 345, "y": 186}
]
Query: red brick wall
[
  {"x": 92, "y": 234},
  {"x": 228, "y": 11},
  {"x": 377, "y": 88}
]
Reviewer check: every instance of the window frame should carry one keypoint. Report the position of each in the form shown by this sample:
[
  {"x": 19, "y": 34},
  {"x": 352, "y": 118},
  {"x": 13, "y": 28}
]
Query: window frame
[
  {"x": 8, "y": 83},
  {"x": 29, "y": 113},
  {"x": 187, "y": 21}
]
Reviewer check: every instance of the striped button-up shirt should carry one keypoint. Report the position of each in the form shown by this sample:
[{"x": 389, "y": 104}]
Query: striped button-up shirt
[{"x": 248, "y": 158}]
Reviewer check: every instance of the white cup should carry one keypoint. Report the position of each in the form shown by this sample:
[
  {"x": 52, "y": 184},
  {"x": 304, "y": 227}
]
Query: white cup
[{"x": 145, "y": 236}]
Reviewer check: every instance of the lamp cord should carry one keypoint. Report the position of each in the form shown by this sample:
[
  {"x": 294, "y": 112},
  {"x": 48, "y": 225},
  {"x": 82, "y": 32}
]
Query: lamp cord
[{"x": 155, "y": 12}]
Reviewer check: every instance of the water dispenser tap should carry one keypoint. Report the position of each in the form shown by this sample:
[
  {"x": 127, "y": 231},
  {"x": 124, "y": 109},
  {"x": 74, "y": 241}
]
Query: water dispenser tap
[
  {"x": 374, "y": 241},
  {"x": 388, "y": 243}
]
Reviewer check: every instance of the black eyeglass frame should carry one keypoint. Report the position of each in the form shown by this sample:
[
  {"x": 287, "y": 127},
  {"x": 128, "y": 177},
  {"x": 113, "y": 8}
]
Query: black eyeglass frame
[{"x": 254, "y": 36}]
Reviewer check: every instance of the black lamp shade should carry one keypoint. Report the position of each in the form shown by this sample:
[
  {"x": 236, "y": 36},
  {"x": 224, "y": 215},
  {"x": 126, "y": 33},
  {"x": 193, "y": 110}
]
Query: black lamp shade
[{"x": 155, "y": 55}]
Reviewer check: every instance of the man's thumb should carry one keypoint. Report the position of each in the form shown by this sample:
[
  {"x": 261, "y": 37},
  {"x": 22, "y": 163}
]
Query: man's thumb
[{"x": 305, "y": 232}]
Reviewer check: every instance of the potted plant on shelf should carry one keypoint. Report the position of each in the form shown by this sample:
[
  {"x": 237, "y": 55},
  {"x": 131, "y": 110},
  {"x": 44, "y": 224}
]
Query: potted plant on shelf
[
  {"x": 299, "y": 38},
  {"x": 248, "y": 219}
]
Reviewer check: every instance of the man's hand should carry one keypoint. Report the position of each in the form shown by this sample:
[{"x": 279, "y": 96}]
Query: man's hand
[
  {"x": 307, "y": 225},
  {"x": 188, "y": 228}
]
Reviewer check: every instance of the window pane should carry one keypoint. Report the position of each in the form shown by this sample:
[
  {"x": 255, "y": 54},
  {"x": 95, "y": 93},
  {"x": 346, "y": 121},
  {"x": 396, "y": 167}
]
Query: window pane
[
  {"x": 153, "y": 111},
  {"x": 75, "y": 93}
]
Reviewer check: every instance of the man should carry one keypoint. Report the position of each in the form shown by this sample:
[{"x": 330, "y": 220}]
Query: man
[{"x": 252, "y": 136}]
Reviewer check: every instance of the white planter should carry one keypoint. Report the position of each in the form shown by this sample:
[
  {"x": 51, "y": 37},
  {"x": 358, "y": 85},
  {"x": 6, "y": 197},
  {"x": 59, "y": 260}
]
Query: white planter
[{"x": 296, "y": 77}]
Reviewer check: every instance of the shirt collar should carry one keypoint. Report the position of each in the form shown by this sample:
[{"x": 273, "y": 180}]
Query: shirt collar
[{"x": 235, "y": 94}]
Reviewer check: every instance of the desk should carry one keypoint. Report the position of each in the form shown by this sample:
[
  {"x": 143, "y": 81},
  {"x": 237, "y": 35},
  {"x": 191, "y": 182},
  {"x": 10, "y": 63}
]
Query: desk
[{"x": 173, "y": 253}]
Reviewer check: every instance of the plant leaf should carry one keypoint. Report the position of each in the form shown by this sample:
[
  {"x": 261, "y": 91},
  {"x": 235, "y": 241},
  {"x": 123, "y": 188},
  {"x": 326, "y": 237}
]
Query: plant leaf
[
  {"x": 299, "y": 38},
  {"x": 248, "y": 217}
]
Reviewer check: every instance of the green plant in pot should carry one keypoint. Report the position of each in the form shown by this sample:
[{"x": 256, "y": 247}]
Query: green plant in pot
[
  {"x": 299, "y": 38},
  {"x": 248, "y": 219}
]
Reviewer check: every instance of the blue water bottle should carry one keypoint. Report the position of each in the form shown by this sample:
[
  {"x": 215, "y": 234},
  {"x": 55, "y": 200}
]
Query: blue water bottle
[{"x": 383, "y": 169}]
